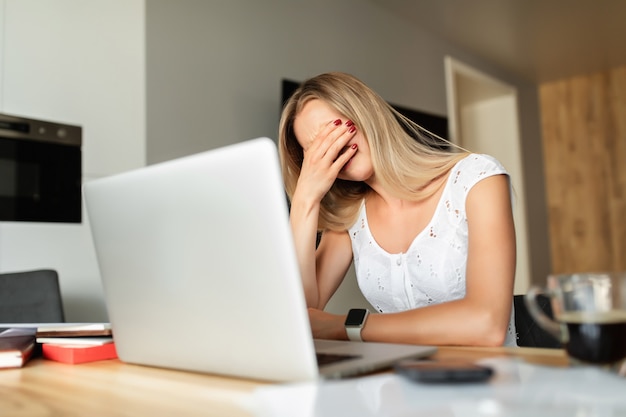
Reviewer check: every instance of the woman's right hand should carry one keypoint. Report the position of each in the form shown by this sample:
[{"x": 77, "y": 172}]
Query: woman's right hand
[
  {"x": 324, "y": 157},
  {"x": 326, "y": 151}
]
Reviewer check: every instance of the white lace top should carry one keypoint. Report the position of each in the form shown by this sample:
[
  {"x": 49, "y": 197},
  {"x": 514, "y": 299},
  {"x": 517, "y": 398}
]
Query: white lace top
[{"x": 433, "y": 268}]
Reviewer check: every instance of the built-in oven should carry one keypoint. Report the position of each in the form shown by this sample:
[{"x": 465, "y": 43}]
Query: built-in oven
[{"x": 40, "y": 170}]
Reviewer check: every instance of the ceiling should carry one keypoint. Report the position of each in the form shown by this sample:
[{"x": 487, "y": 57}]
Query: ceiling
[{"x": 538, "y": 40}]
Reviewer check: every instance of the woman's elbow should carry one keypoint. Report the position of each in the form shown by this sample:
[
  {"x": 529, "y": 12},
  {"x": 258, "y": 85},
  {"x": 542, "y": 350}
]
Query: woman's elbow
[
  {"x": 492, "y": 330},
  {"x": 494, "y": 338}
]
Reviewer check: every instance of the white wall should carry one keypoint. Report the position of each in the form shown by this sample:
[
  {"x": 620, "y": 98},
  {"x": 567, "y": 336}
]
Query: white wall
[{"x": 79, "y": 62}]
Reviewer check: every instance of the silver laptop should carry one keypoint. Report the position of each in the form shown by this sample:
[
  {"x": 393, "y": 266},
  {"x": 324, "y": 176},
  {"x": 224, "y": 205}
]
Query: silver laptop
[{"x": 200, "y": 273}]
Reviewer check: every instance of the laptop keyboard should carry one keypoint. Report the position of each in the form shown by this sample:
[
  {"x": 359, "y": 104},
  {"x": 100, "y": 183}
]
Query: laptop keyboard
[{"x": 328, "y": 358}]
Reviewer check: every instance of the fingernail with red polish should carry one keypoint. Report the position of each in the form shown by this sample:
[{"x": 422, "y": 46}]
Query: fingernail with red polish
[
  {"x": 337, "y": 122},
  {"x": 352, "y": 129},
  {"x": 353, "y": 146},
  {"x": 349, "y": 123}
]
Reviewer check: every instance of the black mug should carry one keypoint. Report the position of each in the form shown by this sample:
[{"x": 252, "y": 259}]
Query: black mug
[{"x": 589, "y": 315}]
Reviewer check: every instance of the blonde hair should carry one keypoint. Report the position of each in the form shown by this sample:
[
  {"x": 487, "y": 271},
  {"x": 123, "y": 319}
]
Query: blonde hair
[{"x": 405, "y": 156}]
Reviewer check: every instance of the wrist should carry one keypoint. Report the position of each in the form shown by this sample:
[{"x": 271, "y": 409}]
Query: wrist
[
  {"x": 304, "y": 202},
  {"x": 354, "y": 324}
]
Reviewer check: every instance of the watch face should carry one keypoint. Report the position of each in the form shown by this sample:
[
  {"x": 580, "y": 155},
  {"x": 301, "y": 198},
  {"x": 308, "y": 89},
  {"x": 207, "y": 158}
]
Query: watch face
[{"x": 355, "y": 317}]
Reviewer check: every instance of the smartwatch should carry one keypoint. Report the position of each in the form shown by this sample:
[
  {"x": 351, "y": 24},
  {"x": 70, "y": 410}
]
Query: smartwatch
[{"x": 355, "y": 320}]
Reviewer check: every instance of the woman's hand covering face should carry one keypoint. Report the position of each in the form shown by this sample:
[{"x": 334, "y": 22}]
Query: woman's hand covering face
[{"x": 326, "y": 147}]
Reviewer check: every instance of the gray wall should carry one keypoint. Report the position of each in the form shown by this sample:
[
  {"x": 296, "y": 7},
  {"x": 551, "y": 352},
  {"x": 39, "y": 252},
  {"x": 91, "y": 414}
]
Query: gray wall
[{"x": 214, "y": 69}]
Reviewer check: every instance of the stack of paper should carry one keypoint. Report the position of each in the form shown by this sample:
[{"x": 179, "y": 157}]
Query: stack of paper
[
  {"x": 71, "y": 342},
  {"x": 76, "y": 343}
]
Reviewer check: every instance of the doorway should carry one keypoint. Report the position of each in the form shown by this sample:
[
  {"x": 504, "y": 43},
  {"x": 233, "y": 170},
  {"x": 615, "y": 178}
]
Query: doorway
[{"x": 483, "y": 117}]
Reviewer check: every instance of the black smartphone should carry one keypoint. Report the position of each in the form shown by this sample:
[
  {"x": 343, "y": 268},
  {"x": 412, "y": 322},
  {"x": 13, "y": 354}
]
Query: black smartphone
[{"x": 444, "y": 371}]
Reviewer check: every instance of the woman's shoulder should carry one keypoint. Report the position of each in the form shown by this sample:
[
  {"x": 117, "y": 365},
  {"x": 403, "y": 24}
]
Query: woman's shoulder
[
  {"x": 472, "y": 169},
  {"x": 480, "y": 162}
]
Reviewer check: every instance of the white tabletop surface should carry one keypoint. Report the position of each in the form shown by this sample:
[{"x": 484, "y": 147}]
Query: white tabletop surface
[{"x": 516, "y": 389}]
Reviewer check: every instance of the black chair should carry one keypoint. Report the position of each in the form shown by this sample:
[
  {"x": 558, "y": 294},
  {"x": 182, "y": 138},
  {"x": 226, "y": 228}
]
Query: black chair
[
  {"x": 529, "y": 333},
  {"x": 31, "y": 297}
]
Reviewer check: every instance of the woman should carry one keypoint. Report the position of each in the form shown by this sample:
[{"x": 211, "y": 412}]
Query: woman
[{"x": 429, "y": 227}]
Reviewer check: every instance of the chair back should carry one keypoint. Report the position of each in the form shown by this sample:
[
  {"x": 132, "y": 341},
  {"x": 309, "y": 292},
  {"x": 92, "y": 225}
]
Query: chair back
[
  {"x": 31, "y": 297},
  {"x": 529, "y": 333}
]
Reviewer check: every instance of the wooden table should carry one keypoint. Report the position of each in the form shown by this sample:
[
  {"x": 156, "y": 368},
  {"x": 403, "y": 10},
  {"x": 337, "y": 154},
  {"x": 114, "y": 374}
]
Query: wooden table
[{"x": 112, "y": 388}]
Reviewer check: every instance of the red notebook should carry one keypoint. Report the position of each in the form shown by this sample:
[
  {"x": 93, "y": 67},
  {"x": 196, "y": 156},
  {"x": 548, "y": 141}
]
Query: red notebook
[{"x": 78, "y": 353}]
